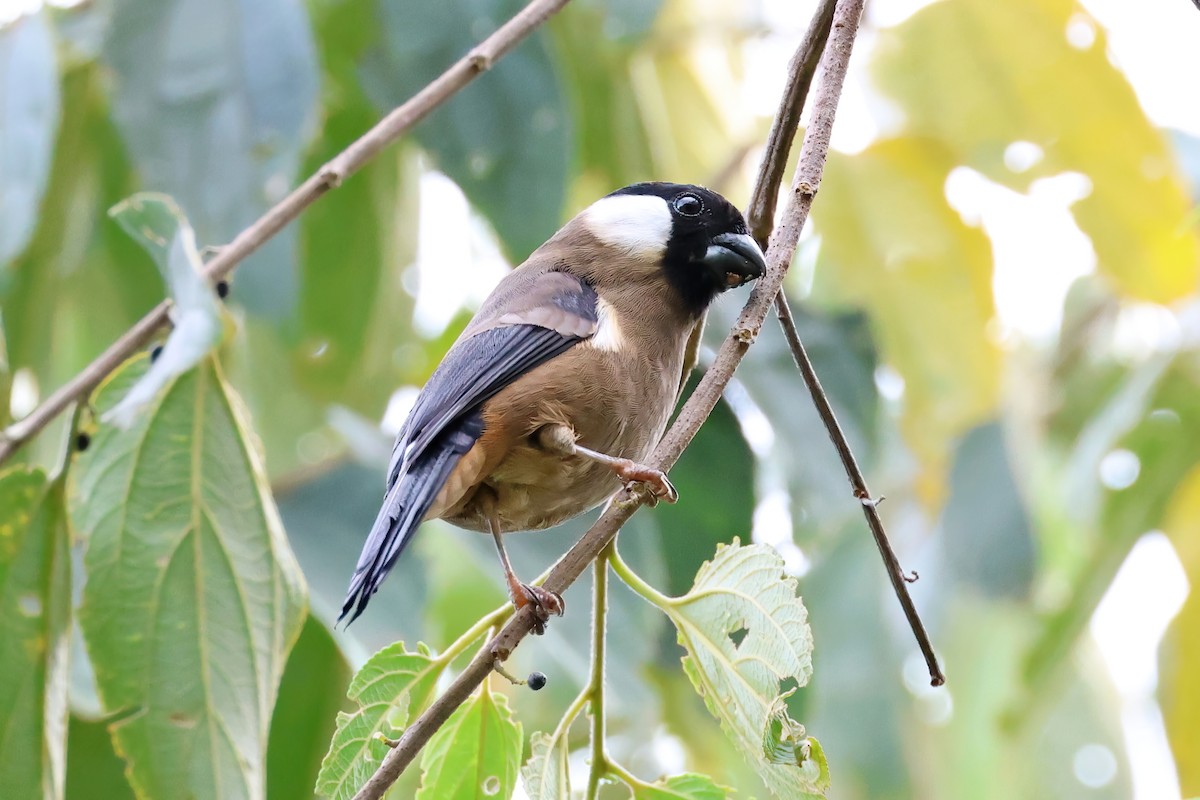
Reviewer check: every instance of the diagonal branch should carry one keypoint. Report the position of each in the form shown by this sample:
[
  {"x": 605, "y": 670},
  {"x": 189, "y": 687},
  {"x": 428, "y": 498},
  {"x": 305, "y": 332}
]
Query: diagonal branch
[
  {"x": 701, "y": 403},
  {"x": 330, "y": 176},
  {"x": 761, "y": 221}
]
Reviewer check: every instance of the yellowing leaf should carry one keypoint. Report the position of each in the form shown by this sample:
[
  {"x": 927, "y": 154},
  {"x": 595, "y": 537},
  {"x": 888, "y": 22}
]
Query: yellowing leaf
[
  {"x": 391, "y": 683},
  {"x": 978, "y": 75},
  {"x": 193, "y": 598},
  {"x": 745, "y": 632},
  {"x": 475, "y": 755},
  {"x": 892, "y": 244},
  {"x": 1181, "y": 662}
]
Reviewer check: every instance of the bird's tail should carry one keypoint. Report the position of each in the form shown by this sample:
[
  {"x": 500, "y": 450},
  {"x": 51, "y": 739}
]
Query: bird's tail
[{"x": 404, "y": 507}]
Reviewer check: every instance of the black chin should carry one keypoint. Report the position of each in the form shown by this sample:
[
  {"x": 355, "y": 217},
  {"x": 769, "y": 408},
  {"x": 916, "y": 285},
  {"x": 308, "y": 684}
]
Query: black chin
[{"x": 696, "y": 284}]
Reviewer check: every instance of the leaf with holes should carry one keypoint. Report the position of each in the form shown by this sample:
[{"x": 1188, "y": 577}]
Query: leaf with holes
[
  {"x": 546, "y": 773},
  {"x": 393, "y": 682},
  {"x": 193, "y": 598},
  {"x": 688, "y": 786},
  {"x": 158, "y": 225},
  {"x": 35, "y": 601},
  {"x": 475, "y": 755},
  {"x": 745, "y": 632}
]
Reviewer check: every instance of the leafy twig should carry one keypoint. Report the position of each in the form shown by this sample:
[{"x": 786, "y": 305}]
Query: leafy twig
[
  {"x": 699, "y": 405},
  {"x": 330, "y": 176},
  {"x": 762, "y": 220}
]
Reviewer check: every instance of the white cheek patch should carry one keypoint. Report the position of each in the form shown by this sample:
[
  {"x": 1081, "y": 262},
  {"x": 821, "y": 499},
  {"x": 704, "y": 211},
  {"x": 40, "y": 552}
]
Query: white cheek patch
[
  {"x": 638, "y": 224},
  {"x": 608, "y": 335}
]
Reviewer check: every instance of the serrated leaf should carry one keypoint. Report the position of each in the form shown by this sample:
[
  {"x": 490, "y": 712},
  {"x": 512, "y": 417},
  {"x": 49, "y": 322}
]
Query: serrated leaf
[
  {"x": 29, "y": 110},
  {"x": 688, "y": 786},
  {"x": 546, "y": 773},
  {"x": 158, "y": 225},
  {"x": 392, "y": 682},
  {"x": 193, "y": 599},
  {"x": 35, "y": 601},
  {"x": 475, "y": 755},
  {"x": 215, "y": 102},
  {"x": 745, "y": 632}
]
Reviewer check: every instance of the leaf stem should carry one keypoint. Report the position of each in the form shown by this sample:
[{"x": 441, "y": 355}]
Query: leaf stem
[
  {"x": 635, "y": 582},
  {"x": 481, "y": 627},
  {"x": 595, "y": 687},
  {"x": 627, "y": 777}
]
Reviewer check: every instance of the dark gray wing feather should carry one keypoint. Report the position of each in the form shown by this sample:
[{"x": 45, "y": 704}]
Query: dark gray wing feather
[{"x": 444, "y": 424}]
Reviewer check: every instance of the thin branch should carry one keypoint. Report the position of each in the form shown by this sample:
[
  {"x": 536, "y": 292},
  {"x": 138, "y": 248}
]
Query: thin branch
[
  {"x": 330, "y": 176},
  {"x": 697, "y": 408},
  {"x": 762, "y": 220},
  {"x": 858, "y": 485},
  {"x": 599, "y": 765}
]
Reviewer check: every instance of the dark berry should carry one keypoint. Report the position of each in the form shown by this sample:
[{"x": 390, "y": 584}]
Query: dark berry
[
  {"x": 536, "y": 680},
  {"x": 222, "y": 289}
]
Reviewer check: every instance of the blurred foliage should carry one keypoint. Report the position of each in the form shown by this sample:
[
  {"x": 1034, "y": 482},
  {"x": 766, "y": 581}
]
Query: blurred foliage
[{"x": 999, "y": 451}]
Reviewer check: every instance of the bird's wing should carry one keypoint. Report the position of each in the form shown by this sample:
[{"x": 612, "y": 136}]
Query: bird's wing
[{"x": 528, "y": 320}]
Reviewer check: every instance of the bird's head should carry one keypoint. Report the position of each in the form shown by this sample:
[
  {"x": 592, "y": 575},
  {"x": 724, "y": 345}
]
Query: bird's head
[{"x": 690, "y": 236}]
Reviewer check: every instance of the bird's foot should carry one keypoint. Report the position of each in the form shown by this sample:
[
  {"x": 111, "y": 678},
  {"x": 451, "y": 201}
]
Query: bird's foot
[
  {"x": 544, "y": 602},
  {"x": 660, "y": 488}
]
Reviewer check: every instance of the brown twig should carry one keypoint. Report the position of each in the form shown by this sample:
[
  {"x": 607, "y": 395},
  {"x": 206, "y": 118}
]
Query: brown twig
[
  {"x": 761, "y": 219},
  {"x": 699, "y": 405},
  {"x": 330, "y": 176}
]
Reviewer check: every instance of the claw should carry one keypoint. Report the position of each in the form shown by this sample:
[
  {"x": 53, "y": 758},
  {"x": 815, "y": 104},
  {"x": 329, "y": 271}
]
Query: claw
[
  {"x": 660, "y": 487},
  {"x": 544, "y": 602}
]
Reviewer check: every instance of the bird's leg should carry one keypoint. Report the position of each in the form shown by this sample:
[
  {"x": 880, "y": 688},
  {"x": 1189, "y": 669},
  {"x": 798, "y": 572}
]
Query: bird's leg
[
  {"x": 560, "y": 439},
  {"x": 544, "y": 601}
]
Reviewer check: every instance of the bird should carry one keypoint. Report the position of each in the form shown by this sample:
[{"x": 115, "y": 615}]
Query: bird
[{"x": 564, "y": 380}]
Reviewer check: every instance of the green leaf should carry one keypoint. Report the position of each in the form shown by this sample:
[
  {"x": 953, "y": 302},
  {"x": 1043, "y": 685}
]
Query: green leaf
[
  {"x": 35, "y": 603},
  {"x": 310, "y": 696},
  {"x": 215, "y": 103},
  {"x": 475, "y": 754},
  {"x": 29, "y": 109},
  {"x": 94, "y": 769},
  {"x": 745, "y": 632},
  {"x": 393, "y": 684},
  {"x": 81, "y": 282},
  {"x": 988, "y": 536},
  {"x": 1169, "y": 415},
  {"x": 546, "y": 775},
  {"x": 506, "y": 138},
  {"x": 193, "y": 598},
  {"x": 719, "y": 503},
  {"x": 688, "y": 786},
  {"x": 158, "y": 225},
  {"x": 1011, "y": 75},
  {"x": 843, "y": 353},
  {"x": 892, "y": 244},
  {"x": 357, "y": 242}
]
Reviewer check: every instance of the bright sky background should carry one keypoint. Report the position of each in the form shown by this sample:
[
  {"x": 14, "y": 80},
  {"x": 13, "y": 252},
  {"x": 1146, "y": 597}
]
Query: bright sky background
[{"x": 1156, "y": 43}]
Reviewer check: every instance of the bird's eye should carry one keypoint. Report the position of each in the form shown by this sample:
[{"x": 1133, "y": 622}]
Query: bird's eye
[{"x": 689, "y": 205}]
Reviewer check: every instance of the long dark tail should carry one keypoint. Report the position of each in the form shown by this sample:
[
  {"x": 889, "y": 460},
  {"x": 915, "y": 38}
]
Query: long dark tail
[{"x": 404, "y": 507}]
